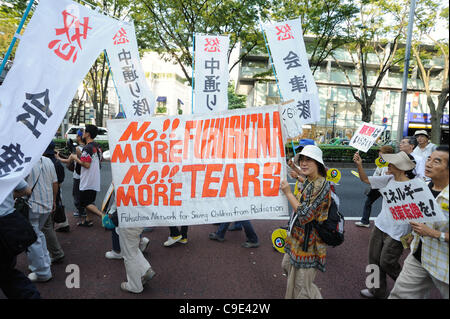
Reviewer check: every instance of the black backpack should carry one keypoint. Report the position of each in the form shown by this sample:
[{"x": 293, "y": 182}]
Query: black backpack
[{"x": 331, "y": 230}]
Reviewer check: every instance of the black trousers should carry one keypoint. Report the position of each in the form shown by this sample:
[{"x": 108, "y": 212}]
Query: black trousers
[
  {"x": 174, "y": 232},
  {"x": 14, "y": 284}
]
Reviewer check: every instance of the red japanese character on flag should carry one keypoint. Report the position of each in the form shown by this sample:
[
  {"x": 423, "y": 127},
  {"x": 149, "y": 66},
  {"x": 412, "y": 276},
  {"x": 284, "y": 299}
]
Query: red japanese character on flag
[
  {"x": 72, "y": 30},
  {"x": 121, "y": 37},
  {"x": 212, "y": 45},
  {"x": 284, "y": 32}
]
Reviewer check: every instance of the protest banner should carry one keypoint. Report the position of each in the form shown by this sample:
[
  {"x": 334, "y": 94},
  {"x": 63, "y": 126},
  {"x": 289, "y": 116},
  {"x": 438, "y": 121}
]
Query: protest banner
[
  {"x": 411, "y": 202},
  {"x": 211, "y": 73},
  {"x": 198, "y": 169},
  {"x": 60, "y": 44},
  {"x": 294, "y": 75},
  {"x": 135, "y": 96},
  {"x": 365, "y": 136}
]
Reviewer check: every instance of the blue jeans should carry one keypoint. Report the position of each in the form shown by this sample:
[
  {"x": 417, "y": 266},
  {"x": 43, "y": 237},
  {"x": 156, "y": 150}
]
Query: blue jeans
[{"x": 248, "y": 228}]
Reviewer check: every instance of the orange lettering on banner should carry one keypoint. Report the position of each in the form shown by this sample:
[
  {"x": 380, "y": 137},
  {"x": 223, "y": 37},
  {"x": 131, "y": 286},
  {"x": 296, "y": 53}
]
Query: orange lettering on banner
[
  {"x": 160, "y": 149},
  {"x": 161, "y": 191},
  {"x": 133, "y": 130},
  {"x": 187, "y": 137},
  {"x": 125, "y": 199},
  {"x": 148, "y": 189},
  {"x": 227, "y": 179},
  {"x": 148, "y": 152},
  {"x": 251, "y": 178},
  {"x": 208, "y": 192},
  {"x": 173, "y": 193},
  {"x": 122, "y": 156},
  {"x": 135, "y": 174},
  {"x": 175, "y": 151},
  {"x": 271, "y": 188},
  {"x": 252, "y": 150},
  {"x": 193, "y": 169},
  {"x": 264, "y": 149},
  {"x": 276, "y": 134}
]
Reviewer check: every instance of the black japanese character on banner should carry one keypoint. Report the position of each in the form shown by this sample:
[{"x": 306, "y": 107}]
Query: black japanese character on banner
[
  {"x": 129, "y": 74},
  {"x": 11, "y": 159},
  {"x": 401, "y": 195},
  {"x": 124, "y": 56},
  {"x": 212, "y": 64},
  {"x": 36, "y": 113},
  {"x": 390, "y": 197},
  {"x": 298, "y": 83},
  {"x": 138, "y": 90},
  {"x": 304, "y": 108},
  {"x": 211, "y": 85},
  {"x": 213, "y": 102},
  {"x": 428, "y": 211},
  {"x": 292, "y": 60},
  {"x": 141, "y": 107},
  {"x": 376, "y": 132}
]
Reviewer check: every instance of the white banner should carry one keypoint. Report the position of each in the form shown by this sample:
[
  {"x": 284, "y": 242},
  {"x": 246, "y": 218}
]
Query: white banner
[
  {"x": 211, "y": 73},
  {"x": 365, "y": 136},
  {"x": 295, "y": 79},
  {"x": 412, "y": 202},
  {"x": 135, "y": 96},
  {"x": 60, "y": 44},
  {"x": 198, "y": 169}
]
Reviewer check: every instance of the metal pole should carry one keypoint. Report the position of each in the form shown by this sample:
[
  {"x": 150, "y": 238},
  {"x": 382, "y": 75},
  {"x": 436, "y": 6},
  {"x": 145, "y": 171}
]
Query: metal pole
[
  {"x": 334, "y": 119},
  {"x": 401, "y": 115},
  {"x": 192, "y": 78},
  {"x": 13, "y": 42}
]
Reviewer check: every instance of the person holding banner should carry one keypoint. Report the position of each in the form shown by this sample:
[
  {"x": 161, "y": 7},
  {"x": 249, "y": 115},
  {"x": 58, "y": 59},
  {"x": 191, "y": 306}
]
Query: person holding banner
[
  {"x": 305, "y": 251},
  {"x": 385, "y": 246},
  {"x": 427, "y": 265}
]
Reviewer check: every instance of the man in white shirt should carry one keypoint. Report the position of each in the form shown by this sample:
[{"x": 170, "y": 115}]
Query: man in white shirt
[
  {"x": 425, "y": 147},
  {"x": 408, "y": 145}
]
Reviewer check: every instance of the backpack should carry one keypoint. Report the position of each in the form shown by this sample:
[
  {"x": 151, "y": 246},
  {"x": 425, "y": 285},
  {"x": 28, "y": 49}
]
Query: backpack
[{"x": 331, "y": 230}]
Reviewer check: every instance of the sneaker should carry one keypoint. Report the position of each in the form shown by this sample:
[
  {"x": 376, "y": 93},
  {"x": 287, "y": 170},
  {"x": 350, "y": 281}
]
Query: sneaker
[
  {"x": 172, "y": 240},
  {"x": 248, "y": 244},
  {"x": 76, "y": 214},
  {"x": 113, "y": 255},
  {"x": 183, "y": 241},
  {"x": 367, "y": 294},
  {"x": 150, "y": 273},
  {"x": 143, "y": 244},
  {"x": 64, "y": 229},
  {"x": 124, "y": 287},
  {"x": 214, "y": 236},
  {"x": 359, "y": 224},
  {"x": 35, "y": 278}
]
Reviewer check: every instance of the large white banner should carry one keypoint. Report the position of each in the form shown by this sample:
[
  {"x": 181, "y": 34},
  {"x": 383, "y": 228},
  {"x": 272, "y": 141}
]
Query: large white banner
[
  {"x": 295, "y": 79},
  {"x": 135, "y": 96},
  {"x": 211, "y": 73},
  {"x": 365, "y": 136},
  {"x": 59, "y": 45},
  {"x": 198, "y": 169},
  {"x": 412, "y": 202}
]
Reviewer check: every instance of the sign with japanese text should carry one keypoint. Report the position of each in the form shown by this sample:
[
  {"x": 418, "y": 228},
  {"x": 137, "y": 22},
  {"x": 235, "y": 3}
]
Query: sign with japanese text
[
  {"x": 211, "y": 73},
  {"x": 135, "y": 96},
  {"x": 295, "y": 79},
  {"x": 198, "y": 169},
  {"x": 412, "y": 202},
  {"x": 365, "y": 136},
  {"x": 59, "y": 45}
]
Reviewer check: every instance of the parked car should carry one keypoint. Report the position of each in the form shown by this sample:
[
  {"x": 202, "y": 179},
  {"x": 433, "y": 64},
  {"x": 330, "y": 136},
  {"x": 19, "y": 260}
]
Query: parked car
[
  {"x": 339, "y": 141},
  {"x": 101, "y": 136}
]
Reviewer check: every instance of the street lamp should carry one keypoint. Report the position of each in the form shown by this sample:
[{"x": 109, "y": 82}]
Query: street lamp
[{"x": 334, "y": 119}]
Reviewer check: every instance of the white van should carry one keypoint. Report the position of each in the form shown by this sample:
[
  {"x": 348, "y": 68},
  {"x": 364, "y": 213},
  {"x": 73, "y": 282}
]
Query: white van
[{"x": 72, "y": 133}]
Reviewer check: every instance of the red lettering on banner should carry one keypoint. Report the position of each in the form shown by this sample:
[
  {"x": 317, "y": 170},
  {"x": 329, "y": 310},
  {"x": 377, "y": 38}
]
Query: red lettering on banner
[
  {"x": 125, "y": 199},
  {"x": 122, "y": 156},
  {"x": 415, "y": 210},
  {"x": 230, "y": 179},
  {"x": 209, "y": 179},
  {"x": 121, "y": 37},
  {"x": 133, "y": 131},
  {"x": 193, "y": 169},
  {"x": 251, "y": 178},
  {"x": 284, "y": 32},
  {"x": 271, "y": 172}
]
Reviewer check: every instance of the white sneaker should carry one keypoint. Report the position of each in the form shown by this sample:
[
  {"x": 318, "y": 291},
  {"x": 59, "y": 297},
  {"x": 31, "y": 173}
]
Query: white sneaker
[
  {"x": 359, "y": 224},
  {"x": 113, "y": 255},
  {"x": 172, "y": 240},
  {"x": 35, "y": 278},
  {"x": 143, "y": 244}
]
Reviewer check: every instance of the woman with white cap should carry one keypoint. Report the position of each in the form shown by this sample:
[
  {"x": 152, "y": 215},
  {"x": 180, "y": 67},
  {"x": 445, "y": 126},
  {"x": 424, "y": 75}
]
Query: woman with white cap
[
  {"x": 305, "y": 251},
  {"x": 385, "y": 246}
]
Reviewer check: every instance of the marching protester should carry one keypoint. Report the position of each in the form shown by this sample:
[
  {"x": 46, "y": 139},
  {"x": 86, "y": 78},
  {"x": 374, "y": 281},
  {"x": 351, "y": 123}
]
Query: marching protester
[
  {"x": 13, "y": 283},
  {"x": 374, "y": 194},
  {"x": 252, "y": 238},
  {"x": 305, "y": 251},
  {"x": 408, "y": 145},
  {"x": 89, "y": 175},
  {"x": 427, "y": 265},
  {"x": 385, "y": 246},
  {"x": 424, "y": 147},
  {"x": 44, "y": 187}
]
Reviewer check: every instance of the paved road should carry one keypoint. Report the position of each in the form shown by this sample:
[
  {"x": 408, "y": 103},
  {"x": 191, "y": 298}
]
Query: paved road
[{"x": 204, "y": 268}]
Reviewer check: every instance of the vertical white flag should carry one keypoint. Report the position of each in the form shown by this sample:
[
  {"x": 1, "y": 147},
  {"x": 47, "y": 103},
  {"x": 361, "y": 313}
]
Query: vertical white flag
[
  {"x": 211, "y": 73},
  {"x": 59, "y": 45},
  {"x": 135, "y": 96},
  {"x": 294, "y": 75}
]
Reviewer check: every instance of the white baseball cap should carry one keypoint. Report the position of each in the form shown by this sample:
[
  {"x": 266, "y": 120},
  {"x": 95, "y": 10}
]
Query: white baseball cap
[
  {"x": 313, "y": 152},
  {"x": 400, "y": 160},
  {"x": 422, "y": 132}
]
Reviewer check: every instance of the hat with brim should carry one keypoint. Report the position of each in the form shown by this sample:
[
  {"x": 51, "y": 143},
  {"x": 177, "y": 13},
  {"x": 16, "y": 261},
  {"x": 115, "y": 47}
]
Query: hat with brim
[
  {"x": 422, "y": 132},
  {"x": 313, "y": 152},
  {"x": 400, "y": 160}
]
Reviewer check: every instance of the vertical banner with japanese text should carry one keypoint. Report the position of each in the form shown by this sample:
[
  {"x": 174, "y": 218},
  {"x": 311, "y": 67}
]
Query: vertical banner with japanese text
[
  {"x": 135, "y": 95},
  {"x": 211, "y": 73},
  {"x": 198, "y": 169},
  {"x": 295, "y": 79},
  {"x": 59, "y": 45}
]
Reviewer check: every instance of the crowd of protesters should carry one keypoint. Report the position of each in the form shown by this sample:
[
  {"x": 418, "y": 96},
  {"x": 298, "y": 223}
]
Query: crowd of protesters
[{"x": 425, "y": 267}]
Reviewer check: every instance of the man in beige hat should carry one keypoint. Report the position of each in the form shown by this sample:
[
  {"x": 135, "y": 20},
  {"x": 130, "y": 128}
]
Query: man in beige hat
[{"x": 425, "y": 147}]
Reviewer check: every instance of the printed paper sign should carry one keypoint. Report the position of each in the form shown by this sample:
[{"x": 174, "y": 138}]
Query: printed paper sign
[
  {"x": 412, "y": 202},
  {"x": 59, "y": 45},
  {"x": 198, "y": 169},
  {"x": 211, "y": 73},
  {"x": 365, "y": 136},
  {"x": 294, "y": 75},
  {"x": 135, "y": 96}
]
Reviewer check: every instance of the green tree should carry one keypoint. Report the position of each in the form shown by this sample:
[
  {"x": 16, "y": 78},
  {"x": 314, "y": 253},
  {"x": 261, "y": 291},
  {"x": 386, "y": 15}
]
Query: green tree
[{"x": 235, "y": 101}]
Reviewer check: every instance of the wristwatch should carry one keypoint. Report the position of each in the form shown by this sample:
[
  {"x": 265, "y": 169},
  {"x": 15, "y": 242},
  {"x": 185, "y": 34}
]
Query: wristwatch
[{"x": 442, "y": 237}]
